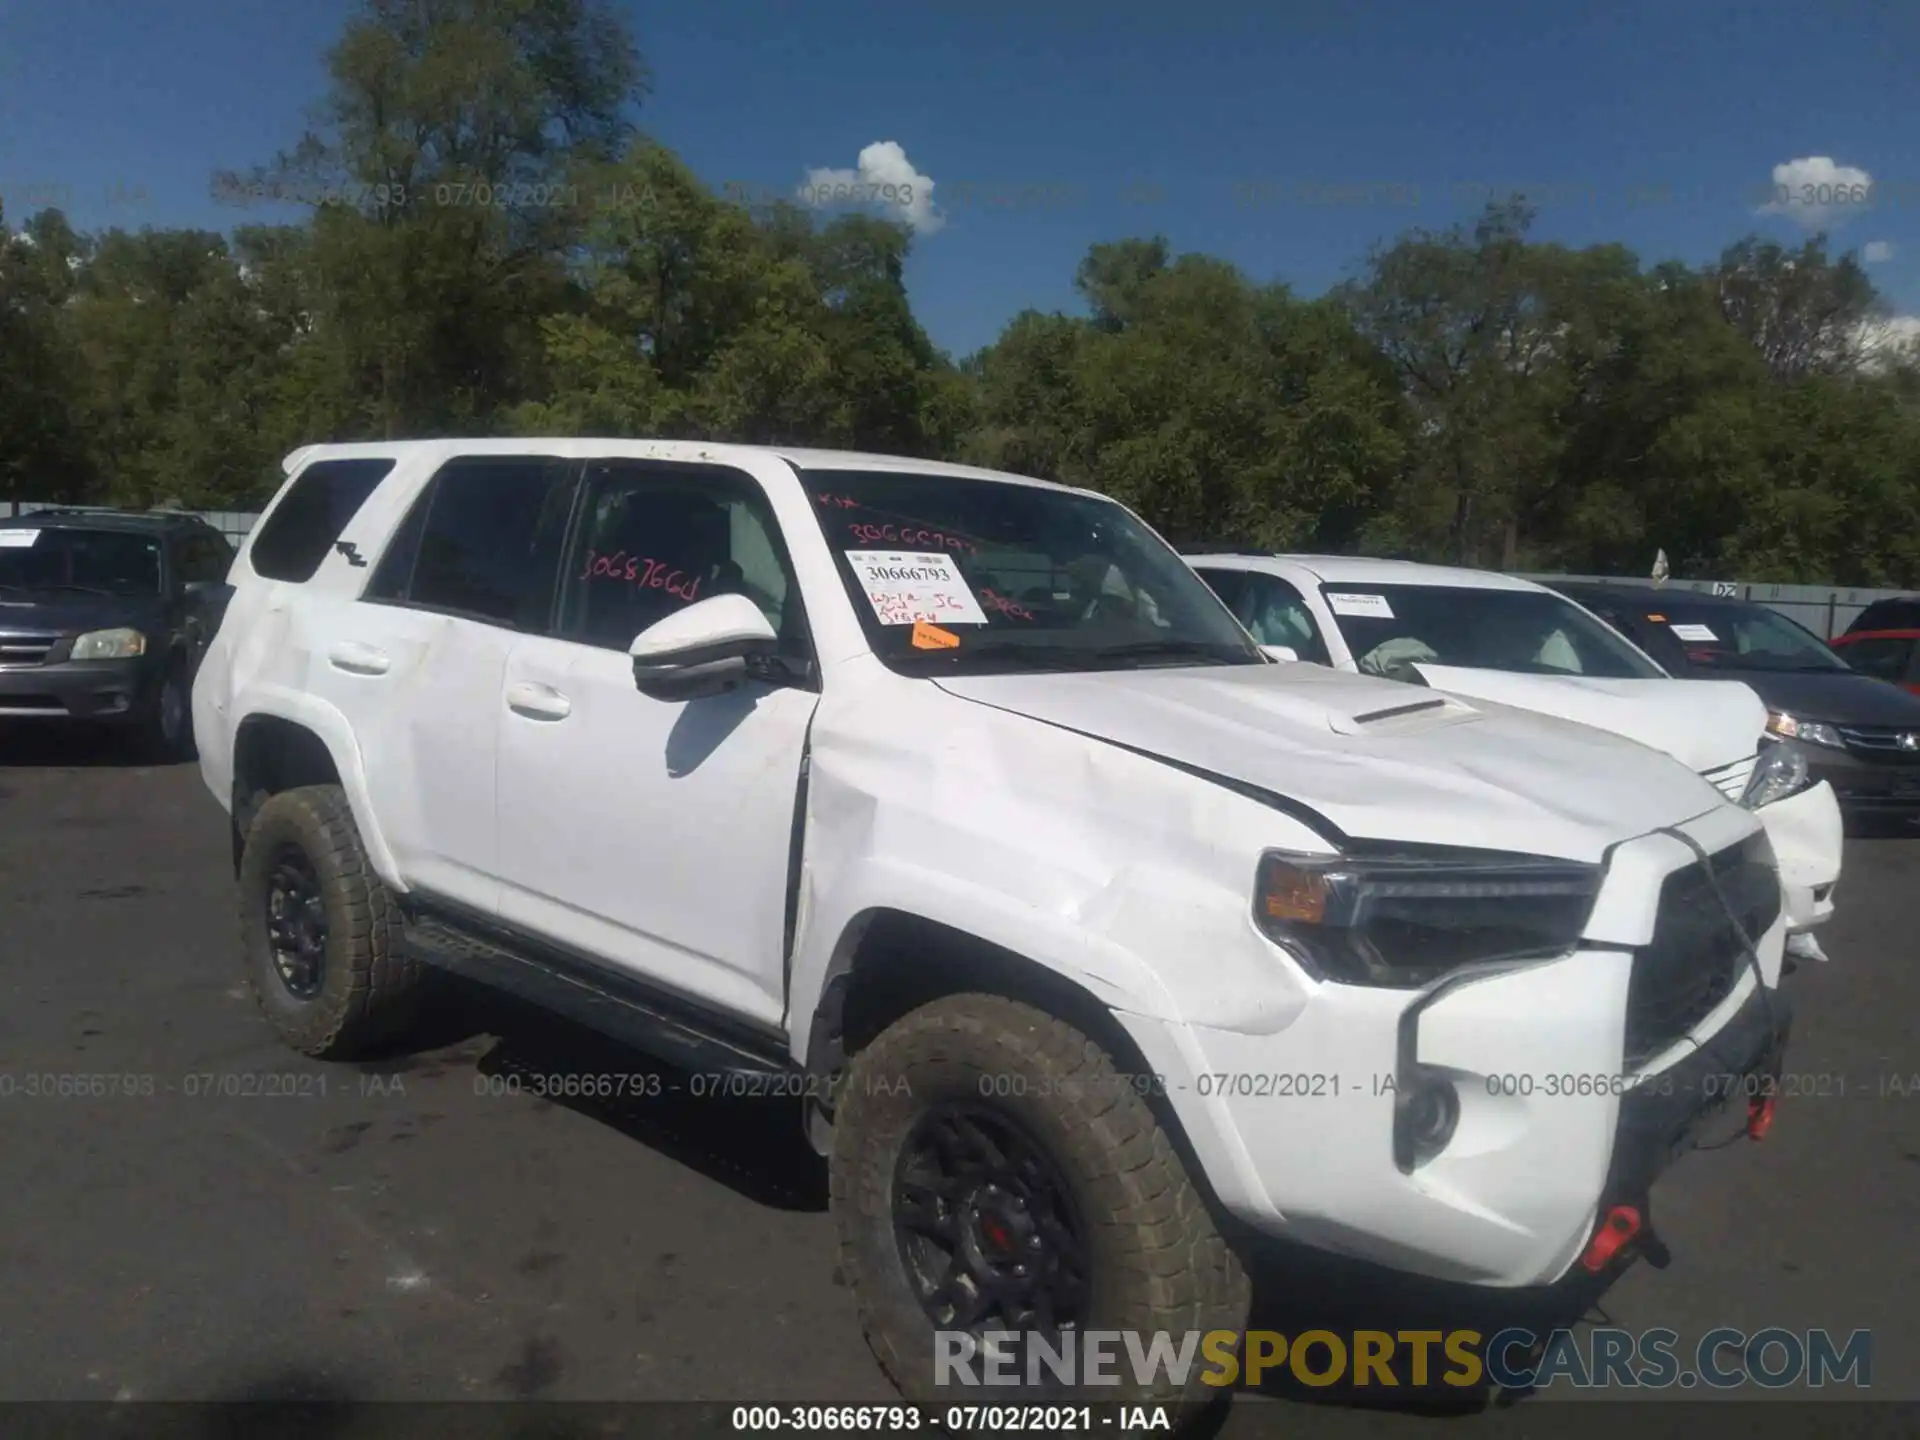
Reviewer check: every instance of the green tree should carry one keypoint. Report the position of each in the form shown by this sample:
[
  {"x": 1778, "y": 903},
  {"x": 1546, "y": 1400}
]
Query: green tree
[
  {"x": 1220, "y": 409},
  {"x": 445, "y": 165},
  {"x": 42, "y": 449}
]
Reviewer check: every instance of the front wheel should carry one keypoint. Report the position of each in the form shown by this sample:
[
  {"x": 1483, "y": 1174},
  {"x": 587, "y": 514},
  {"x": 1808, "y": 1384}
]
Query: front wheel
[
  {"x": 166, "y": 731},
  {"x": 992, "y": 1171}
]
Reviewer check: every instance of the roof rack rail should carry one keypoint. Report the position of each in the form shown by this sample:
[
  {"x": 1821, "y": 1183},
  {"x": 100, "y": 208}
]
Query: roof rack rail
[
  {"x": 1223, "y": 550},
  {"x": 108, "y": 510}
]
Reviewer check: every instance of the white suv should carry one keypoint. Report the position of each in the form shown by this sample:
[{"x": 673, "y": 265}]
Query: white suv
[{"x": 954, "y": 803}]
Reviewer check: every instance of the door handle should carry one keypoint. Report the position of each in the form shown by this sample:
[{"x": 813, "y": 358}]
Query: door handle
[
  {"x": 538, "y": 702},
  {"x": 357, "y": 659}
]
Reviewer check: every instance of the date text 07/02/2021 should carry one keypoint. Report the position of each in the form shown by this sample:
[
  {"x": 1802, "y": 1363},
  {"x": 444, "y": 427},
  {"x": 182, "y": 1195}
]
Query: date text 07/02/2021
[{"x": 950, "y": 1419}]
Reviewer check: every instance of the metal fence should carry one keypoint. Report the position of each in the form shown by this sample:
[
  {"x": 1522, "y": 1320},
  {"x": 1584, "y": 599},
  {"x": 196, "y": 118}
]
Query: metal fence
[{"x": 1823, "y": 609}]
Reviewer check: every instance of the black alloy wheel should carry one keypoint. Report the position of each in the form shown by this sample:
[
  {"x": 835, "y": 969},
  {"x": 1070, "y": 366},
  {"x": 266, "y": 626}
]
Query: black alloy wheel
[
  {"x": 297, "y": 923},
  {"x": 987, "y": 1228}
]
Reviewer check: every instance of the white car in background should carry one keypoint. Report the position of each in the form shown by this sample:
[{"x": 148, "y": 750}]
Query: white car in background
[{"x": 1495, "y": 637}]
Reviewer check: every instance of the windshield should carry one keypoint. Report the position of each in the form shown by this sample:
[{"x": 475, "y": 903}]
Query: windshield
[
  {"x": 112, "y": 562},
  {"x": 1390, "y": 628},
  {"x": 1743, "y": 637},
  {"x": 969, "y": 575}
]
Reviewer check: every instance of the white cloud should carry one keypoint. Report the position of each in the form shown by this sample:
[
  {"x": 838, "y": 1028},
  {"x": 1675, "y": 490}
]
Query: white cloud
[
  {"x": 1876, "y": 252},
  {"x": 1890, "y": 341},
  {"x": 883, "y": 177},
  {"x": 1818, "y": 192}
]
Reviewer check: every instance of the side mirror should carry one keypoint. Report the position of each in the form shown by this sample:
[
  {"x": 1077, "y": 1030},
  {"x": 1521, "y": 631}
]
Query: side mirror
[
  {"x": 705, "y": 649},
  {"x": 1281, "y": 652}
]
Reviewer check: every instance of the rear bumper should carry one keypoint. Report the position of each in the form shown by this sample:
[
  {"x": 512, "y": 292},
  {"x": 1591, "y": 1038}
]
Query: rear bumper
[{"x": 93, "y": 690}]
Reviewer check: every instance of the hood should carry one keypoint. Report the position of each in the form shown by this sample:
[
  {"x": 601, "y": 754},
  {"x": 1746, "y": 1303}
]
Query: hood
[
  {"x": 1704, "y": 724},
  {"x": 1377, "y": 758},
  {"x": 68, "y": 612},
  {"x": 1843, "y": 696}
]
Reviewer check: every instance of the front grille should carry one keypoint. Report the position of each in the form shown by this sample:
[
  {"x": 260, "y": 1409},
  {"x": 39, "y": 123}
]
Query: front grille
[
  {"x": 1880, "y": 742},
  {"x": 25, "y": 649},
  {"x": 1694, "y": 958},
  {"x": 1731, "y": 780}
]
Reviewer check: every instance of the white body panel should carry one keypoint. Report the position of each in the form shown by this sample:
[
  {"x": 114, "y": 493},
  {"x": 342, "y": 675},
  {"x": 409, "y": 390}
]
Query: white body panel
[
  {"x": 1708, "y": 725},
  {"x": 651, "y": 835},
  {"x": 1106, "y": 827}
]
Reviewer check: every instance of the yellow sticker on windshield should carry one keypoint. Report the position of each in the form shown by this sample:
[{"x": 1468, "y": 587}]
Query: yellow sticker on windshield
[{"x": 932, "y": 637}]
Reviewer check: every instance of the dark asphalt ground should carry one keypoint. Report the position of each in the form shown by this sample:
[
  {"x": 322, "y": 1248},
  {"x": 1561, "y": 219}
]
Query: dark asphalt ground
[{"x": 394, "y": 1233}]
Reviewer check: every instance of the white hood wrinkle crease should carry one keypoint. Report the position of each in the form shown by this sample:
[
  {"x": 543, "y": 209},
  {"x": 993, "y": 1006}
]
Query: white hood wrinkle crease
[
  {"x": 1485, "y": 776},
  {"x": 1705, "y": 724}
]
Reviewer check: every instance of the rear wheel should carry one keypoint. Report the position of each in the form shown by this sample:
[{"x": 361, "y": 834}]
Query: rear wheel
[
  {"x": 992, "y": 1171},
  {"x": 322, "y": 935}
]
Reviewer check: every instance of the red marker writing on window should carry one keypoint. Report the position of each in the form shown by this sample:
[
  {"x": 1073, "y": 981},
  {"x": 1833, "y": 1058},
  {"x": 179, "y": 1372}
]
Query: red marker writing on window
[{"x": 642, "y": 571}]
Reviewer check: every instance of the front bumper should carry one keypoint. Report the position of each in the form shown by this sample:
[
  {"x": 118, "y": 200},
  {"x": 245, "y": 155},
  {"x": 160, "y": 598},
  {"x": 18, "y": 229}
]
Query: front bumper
[
  {"x": 1295, "y": 1129},
  {"x": 94, "y": 690},
  {"x": 1807, "y": 833},
  {"x": 1888, "y": 787},
  {"x": 1663, "y": 1119}
]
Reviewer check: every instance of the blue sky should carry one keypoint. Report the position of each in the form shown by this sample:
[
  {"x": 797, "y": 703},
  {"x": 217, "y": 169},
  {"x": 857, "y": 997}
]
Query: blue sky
[{"x": 1284, "y": 141}]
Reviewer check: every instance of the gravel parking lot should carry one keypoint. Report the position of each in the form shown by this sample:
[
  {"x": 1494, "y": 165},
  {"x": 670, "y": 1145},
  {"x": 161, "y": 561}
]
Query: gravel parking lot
[{"x": 396, "y": 1232}]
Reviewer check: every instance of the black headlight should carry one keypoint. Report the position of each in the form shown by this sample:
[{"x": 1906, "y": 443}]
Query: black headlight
[{"x": 1402, "y": 922}]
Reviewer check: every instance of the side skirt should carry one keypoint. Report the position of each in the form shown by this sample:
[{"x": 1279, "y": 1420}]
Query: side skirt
[{"x": 452, "y": 938}]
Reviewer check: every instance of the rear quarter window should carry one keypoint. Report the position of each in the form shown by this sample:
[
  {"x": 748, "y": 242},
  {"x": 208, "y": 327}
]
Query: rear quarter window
[{"x": 311, "y": 515}]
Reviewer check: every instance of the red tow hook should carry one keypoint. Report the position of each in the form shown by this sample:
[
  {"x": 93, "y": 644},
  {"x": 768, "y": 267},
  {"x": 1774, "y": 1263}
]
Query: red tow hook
[
  {"x": 1759, "y": 1117},
  {"x": 1620, "y": 1226}
]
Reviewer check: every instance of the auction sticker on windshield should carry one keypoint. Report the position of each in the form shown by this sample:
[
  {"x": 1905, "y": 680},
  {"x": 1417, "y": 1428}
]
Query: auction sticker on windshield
[
  {"x": 17, "y": 539},
  {"x": 912, "y": 588},
  {"x": 1692, "y": 632},
  {"x": 1373, "y": 607}
]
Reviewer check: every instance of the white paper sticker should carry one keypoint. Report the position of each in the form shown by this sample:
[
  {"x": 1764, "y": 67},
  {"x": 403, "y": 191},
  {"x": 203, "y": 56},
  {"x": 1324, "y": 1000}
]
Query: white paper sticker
[
  {"x": 18, "y": 539},
  {"x": 907, "y": 586},
  {"x": 1373, "y": 607},
  {"x": 1693, "y": 632}
]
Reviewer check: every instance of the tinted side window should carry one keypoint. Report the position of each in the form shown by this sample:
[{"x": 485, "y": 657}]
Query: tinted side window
[
  {"x": 311, "y": 515},
  {"x": 1229, "y": 585},
  {"x": 1275, "y": 613},
  {"x": 490, "y": 544},
  {"x": 394, "y": 572},
  {"x": 204, "y": 559},
  {"x": 654, "y": 538},
  {"x": 1885, "y": 658}
]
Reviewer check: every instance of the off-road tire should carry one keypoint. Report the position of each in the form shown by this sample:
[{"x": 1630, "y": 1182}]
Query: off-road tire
[
  {"x": 1158, "y": 1262},
  {"x": 370, "y": 989}
]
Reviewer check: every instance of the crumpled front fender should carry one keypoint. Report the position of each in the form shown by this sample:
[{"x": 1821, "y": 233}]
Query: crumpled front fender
[{"x": 1807, "y": 835}]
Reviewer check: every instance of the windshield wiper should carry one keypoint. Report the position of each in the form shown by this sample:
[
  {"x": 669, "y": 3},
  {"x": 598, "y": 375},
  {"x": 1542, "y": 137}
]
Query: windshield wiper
[
  {"x": 1023, "y": 654},
  {"x": 1206, "y": 650},
  {"x": 68, "y": 585}
]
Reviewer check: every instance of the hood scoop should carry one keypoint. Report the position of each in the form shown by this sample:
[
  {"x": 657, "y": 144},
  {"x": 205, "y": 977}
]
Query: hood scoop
[{"x": 1416, "y": 716}]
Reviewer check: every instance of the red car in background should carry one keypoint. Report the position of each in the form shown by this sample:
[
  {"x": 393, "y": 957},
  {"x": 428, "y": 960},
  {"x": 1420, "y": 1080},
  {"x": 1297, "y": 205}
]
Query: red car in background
[{"x": 1885, "y": 654}]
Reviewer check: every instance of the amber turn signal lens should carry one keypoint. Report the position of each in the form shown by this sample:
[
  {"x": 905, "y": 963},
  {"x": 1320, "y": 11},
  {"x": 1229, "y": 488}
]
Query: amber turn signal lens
[{"x": 1296, "y": 895}]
